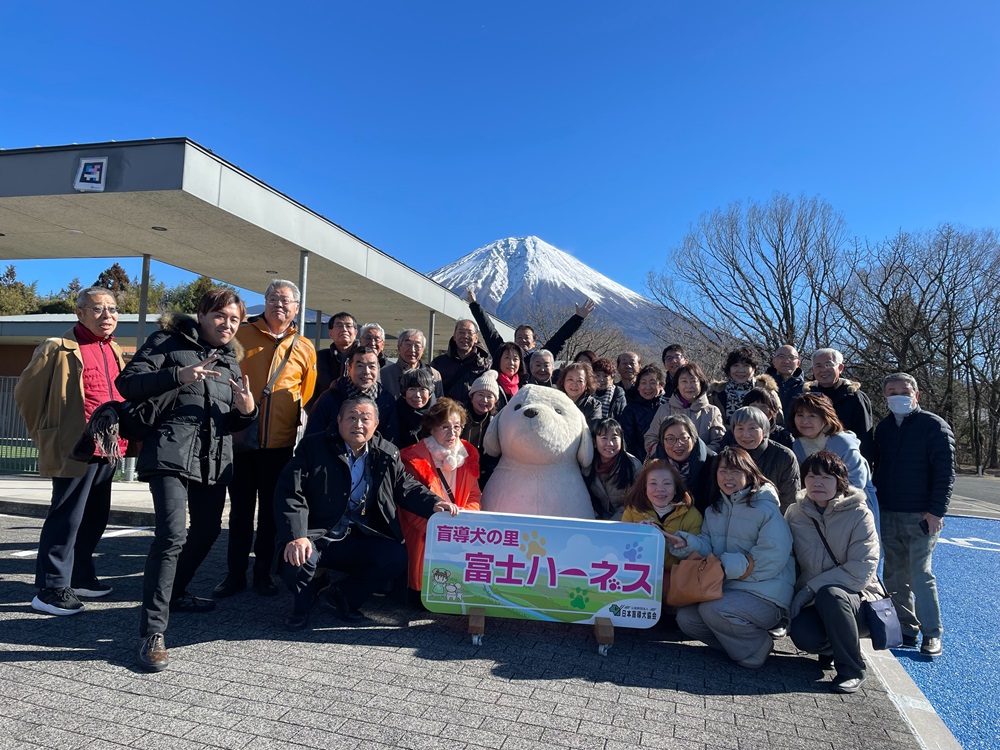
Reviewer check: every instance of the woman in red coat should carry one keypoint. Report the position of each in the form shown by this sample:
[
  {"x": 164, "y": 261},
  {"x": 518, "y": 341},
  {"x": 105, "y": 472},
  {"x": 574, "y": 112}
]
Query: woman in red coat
[{"x": 448, "y": 466}]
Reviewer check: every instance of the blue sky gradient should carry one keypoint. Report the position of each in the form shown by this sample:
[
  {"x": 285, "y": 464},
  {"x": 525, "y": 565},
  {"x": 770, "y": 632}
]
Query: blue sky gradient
[{"x": 430, "y": 129}]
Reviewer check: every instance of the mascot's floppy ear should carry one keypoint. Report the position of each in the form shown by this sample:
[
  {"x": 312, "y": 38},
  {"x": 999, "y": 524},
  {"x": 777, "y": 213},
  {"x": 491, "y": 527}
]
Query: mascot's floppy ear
[
  {"x": 585, "y": 451},
  {"x": 491, "y": 441}
]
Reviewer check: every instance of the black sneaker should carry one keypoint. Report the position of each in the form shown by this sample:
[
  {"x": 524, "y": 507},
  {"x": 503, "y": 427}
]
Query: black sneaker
[
  {"x": 57, "y": 602},
  {"x": 92, "y": 589},
  {"x": 190, "y": 603}
]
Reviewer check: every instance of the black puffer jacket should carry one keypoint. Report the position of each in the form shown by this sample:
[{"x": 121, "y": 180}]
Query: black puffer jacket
[
  {"x": 192, "y": 439},
  {"x": 459, "y": 373},
  {"x": 914, "y": 464}
]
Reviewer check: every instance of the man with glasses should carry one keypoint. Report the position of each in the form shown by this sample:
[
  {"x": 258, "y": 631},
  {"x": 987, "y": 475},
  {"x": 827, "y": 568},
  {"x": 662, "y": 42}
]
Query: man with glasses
[
  {"x": 410, "y": 347},
  {"x": 372, "y": 335},
  {"x": 65, "y": 381},
  {"x": 673, "y": 359},
  {"x": 787, "y": 374},
  {"x": 853, "y": 405},
  {"x": 343, "y": 332},
  {"x": 274, "y": 352}
]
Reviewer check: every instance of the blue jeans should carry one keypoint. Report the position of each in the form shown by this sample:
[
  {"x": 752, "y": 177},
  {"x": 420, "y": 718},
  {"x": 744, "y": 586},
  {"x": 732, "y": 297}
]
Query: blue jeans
[{"x": 908, "y": 575}]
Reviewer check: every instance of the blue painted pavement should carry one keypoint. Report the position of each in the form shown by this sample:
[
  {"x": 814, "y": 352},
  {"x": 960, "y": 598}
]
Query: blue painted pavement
[{"x": 963, "y": 685}]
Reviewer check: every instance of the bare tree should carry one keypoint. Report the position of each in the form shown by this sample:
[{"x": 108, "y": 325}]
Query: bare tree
[{"x": 751, "y": 273}]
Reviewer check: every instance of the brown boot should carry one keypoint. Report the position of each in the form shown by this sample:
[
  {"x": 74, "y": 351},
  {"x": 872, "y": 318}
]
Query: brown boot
[{"x": 153, "y": 653}]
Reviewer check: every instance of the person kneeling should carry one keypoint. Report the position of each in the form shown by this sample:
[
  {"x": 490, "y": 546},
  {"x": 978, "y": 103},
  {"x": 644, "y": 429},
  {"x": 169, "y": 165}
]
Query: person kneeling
[
  {"x": 837, "y": 548},
  {"x": 336, "y": 508}
]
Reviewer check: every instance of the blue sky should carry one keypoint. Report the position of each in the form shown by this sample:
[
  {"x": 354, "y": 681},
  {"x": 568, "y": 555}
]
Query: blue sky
[{"x": 430, "y": 129}]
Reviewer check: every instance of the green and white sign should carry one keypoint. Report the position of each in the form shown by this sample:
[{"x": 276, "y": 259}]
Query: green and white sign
[{"x": 543, "y": 568}]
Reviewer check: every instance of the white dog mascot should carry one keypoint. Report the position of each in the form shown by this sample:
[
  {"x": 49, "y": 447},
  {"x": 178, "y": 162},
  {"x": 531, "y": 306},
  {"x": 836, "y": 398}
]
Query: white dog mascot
[{"x": 543, "y": 442}]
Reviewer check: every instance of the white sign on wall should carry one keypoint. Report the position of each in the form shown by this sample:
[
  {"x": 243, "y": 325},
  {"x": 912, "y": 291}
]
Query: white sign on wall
[{"x": 92, "y": 174}]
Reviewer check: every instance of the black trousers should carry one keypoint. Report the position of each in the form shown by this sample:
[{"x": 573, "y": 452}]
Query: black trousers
[
  {"x": 255, "y": 475},
  {"x": 73, "y": 526},
  {"x": 369, "y": 561},
  {"x": 176, "y": 551},
  {"x": 833, "y": 626}
]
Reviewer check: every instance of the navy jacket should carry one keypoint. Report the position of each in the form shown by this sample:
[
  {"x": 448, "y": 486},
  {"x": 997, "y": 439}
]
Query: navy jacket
[{"x": 914, "y": 464}]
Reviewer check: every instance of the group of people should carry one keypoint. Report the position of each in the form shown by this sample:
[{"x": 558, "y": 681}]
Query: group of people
[{"x": 342, "y": 455}]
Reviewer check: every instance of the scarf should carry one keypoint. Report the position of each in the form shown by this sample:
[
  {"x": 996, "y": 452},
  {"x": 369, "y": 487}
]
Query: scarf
[
  {"x": 445, "y": 458},
  {"x": 815, "y": 445},
  {"x": 734, "y": 396},
  {"x": 508, "y": 383},
  {"x": 353, "y": 391}
]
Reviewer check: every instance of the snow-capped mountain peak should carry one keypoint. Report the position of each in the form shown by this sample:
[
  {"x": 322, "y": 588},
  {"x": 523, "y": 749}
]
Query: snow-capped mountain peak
[{"x": 509, "y": 274}]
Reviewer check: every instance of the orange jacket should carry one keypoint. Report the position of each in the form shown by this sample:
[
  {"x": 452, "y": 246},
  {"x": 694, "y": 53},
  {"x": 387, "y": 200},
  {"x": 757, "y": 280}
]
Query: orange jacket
[{"x": 279, "y": 415}]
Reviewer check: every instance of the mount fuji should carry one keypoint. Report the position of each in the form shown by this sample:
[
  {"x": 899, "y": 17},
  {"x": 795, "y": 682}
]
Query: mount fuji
[{"x": 513, "y": 276}]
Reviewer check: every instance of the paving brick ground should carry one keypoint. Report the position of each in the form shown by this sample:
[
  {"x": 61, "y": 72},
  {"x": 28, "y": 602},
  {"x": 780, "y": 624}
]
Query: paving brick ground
[{"x": 410, "y": 680}]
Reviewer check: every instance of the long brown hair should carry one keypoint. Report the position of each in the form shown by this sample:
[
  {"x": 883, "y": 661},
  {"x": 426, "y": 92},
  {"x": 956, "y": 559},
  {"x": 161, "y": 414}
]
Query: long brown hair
[{"x": 636, "y": 497}]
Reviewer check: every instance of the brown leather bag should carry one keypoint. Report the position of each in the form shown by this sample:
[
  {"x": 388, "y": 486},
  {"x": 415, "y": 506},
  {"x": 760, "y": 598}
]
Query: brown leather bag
[{"x": 695, "y": 579}]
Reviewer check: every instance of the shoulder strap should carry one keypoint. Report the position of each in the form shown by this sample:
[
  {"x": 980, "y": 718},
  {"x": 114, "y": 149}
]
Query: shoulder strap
[
  {"x": 284, "y": 361},
  {"x": 447, "y": 487},
  {"x": 825, "y": 544}
]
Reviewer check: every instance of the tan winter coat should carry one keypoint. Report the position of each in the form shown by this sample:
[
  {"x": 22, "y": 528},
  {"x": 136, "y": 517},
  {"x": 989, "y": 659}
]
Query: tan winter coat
[
  {"x": 49, "y": 396},
  {"x": 849, "y": 528},
  {"x": 706, "y": 417}
]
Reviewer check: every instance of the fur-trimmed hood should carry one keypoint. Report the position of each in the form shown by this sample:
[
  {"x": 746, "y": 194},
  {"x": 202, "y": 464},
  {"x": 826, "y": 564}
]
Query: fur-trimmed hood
[
  {"x": 759, "y": 381},
  {"x": 850, "y": 385},
  {"x": 186, "y": 325}
]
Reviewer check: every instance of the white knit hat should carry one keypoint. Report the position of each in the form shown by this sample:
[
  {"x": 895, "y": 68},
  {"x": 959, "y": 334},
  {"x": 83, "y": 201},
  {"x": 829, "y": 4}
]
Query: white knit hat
[{"x": 486, "y": 382}]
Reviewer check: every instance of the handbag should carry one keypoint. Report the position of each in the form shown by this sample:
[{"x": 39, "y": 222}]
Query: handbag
[
  {"x": 883, "y": 622},
  {"x": 695, "y": 579},
  {"x": 248, "y": 439}
]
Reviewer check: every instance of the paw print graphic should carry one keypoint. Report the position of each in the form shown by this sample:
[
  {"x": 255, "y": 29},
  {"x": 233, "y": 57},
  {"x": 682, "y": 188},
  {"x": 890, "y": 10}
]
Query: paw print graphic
[
  {"x": 632, "y": 552},
  {"x": 578, "y": 598},
  {"x": 532, "y": 545}
]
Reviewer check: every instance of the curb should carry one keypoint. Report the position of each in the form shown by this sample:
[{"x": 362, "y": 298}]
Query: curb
[
  {"x": 928, "y": 727},
  {"x": 117, "y": 517}
]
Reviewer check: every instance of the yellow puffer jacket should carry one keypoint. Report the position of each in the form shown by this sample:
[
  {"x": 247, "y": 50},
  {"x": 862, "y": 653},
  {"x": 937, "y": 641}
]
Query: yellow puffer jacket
[
  {"x": 682, "y": 518},
  {"x": 279, "y": 414}
]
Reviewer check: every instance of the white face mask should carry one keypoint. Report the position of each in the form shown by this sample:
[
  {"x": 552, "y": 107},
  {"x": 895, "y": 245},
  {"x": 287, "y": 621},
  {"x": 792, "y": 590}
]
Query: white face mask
[{"x": 900, "y": 405}]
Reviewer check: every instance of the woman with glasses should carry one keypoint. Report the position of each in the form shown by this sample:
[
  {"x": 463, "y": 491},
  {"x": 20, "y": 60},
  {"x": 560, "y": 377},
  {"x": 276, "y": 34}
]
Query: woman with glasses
[
  {"x": 826, "y": 612},
  {"x": 744, "y": 528},
  {"x": 449, "y": 467},
  {"x": 677, "y": 441},
  {"x": 689, "y": 399}
]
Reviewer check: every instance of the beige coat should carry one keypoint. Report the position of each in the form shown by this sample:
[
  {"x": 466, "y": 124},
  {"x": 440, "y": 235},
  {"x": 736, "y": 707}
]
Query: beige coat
[
  {"x": 49, "y": 396},
  {"x": 849, "y": 528},
  {"x": 706, "y": 417}
]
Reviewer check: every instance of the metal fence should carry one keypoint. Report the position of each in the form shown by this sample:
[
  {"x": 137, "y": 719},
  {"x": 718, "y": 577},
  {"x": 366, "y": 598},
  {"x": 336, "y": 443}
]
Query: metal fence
[{"x": 18, "y": 454}]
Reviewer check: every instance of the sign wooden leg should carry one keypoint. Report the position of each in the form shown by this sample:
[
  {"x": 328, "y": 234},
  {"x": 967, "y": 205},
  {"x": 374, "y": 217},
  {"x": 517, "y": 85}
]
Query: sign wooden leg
[
  {"x": 477, "y": 625},
  {"x": 604, "y": 632}
]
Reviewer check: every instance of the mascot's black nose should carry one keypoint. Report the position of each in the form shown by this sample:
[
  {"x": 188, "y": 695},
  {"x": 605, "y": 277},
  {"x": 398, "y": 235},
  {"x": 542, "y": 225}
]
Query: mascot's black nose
[{"x": 531, "y": 413}]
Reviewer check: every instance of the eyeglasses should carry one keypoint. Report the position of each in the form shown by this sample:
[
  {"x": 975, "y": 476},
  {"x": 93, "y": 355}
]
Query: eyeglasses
[
  {"x": 682, "y": 440},
  {"x": 672, "y": 358},
  {"x": 281, "y": 301},
  {"x": 101, "y": 309},
  {"x": 343, "y": 326},
  {"x": 411, "y": 343},
  {"x": 372, "y": 339},
  {"x": 786, "y": 356}
]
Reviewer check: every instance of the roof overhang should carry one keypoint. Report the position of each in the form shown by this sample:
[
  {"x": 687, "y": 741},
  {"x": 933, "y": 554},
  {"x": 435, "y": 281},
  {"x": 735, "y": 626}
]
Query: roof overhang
[{"x": 218, "y": 220}]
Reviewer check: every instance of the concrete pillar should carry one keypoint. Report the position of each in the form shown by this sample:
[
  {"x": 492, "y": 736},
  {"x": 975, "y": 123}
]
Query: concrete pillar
[
  {"x": 429, "y": 349},
  {"x": 140, "y": 328},
  {"x": 303, "y": 281}
]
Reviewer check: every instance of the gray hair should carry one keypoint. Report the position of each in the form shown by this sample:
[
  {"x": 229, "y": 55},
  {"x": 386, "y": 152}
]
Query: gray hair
[
  {"x": 371, "y": 327},
  {"x": 466, "y": 320},
  {"x": 359, "y": 401},
  {"x": 750, "y": 414},
  {"x": 838, "y": 358},
  {"x": 900, "y": 377},
  {"x": 89, "y": 293},
  {"x": 409, "y": 333},
  {"x": 283, "y": 284},
  {"x": 543, "y": 353}
]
